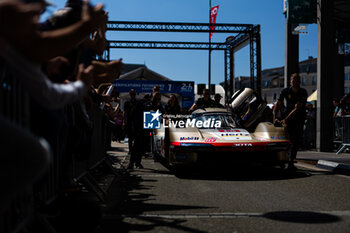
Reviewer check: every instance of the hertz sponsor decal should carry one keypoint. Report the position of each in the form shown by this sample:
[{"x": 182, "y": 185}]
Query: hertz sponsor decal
[{"x": 234, "y": 135}]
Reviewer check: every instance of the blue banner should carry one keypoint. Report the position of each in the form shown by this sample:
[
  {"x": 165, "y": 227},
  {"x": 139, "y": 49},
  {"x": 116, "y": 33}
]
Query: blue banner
[{"x": 185, "y": 89}]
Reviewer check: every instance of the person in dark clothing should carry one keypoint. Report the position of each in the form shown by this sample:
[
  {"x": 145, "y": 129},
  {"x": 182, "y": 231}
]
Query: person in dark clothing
[
  {"x": 147, "y": 97},
  {"x": 155, "y": 104},
  {"x": 141, "y": 134},
  {"x": 310, "y": 127},
  {"x": 217, "y": 98},
  {"x": 204, "y": 102},
  {"x": 345, "y": 105},
  {"x": 337, "y": 118},
  {"x": 172, "y": 107},
  {"x": 155, "y": 89},
  {"x": 295, "y": 97},
  {"x": 128, "y": 122},
  {"x": 136, "y": 120}
]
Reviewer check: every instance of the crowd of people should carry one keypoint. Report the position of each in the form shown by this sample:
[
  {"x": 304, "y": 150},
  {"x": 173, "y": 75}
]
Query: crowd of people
[
  {"x": 341, "y": 109},
  {"x": 55, "y": 63}
]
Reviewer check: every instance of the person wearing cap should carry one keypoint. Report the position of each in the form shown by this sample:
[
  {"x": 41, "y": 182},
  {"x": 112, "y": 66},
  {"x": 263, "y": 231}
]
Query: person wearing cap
[{"x": 217, "y": 99}]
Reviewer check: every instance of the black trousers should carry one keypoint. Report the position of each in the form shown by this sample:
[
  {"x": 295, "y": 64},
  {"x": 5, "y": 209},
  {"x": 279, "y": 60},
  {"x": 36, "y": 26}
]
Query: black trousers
[
  {"x": 138, "y": 148},
  {"x": 295, "y": 131},
  {"x": 131, "y": 136}
]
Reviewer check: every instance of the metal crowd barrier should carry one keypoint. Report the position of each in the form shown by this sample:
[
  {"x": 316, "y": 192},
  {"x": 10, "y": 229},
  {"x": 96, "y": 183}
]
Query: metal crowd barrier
[
  {"x": 345, "y": 134},
  {"x": 14, "y": 105}
]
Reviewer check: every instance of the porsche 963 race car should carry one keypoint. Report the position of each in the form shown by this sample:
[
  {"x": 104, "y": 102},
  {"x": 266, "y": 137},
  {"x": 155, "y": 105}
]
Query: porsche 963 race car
[{"x": 242, "y": 134}]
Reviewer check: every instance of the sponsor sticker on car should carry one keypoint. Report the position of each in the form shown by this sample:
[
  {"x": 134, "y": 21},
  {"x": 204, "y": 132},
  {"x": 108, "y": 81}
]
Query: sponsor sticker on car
[
  {"x": 234, "y": 135},
  {"x": 212, "y": 139},
  {"x": 242, "y": 145},
  {"x": 229, "y": 130},
  {"x": 189, "y": 138}
]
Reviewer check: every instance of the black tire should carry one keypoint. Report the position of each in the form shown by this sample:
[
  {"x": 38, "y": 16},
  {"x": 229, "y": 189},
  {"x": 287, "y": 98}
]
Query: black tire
[{"x": 180, "y": 170}]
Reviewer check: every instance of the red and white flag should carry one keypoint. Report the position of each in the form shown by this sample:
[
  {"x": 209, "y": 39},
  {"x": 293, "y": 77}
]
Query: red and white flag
[{"x": 213, "y": 13}]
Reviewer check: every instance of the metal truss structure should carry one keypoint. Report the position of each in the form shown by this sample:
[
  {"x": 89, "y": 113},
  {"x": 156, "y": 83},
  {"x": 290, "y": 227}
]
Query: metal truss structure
[
  {"x": 175, "y": 27},
  {"x": 241, "y": 36},
  {"x": 166, "y": 45}
]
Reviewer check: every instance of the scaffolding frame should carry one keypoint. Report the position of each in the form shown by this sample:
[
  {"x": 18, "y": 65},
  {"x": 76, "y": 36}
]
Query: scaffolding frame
[{"x": 241, "y": 35}]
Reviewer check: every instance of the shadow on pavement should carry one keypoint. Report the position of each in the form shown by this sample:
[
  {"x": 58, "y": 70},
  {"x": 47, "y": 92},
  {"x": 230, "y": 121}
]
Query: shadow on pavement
[
  {"x": 126, "y": 215},
  {"x": 302, "y": 217},
  {"x": 135, "y": 203},
  {"x": 155, "y": 171},
  {"x": 147, "y": 225},
  {"x": 118, "y": 149},
  {"x": 241, "y": 174}
]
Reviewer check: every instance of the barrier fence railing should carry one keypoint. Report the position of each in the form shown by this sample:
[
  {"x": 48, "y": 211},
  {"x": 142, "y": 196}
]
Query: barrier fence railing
[
  {"x": 15, "y": 106},
  {"x": 345, "y": 131}
]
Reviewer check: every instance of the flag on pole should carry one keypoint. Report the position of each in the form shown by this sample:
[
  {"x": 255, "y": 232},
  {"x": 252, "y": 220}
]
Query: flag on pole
[{"x": 213, "y": 14}]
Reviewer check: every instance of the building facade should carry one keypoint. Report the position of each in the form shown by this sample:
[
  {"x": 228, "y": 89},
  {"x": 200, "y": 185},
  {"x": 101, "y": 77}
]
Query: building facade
[{"x": 272, "y": 81}]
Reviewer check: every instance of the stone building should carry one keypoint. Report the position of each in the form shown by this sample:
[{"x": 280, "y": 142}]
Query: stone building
[{"x": 272, "y": 81}]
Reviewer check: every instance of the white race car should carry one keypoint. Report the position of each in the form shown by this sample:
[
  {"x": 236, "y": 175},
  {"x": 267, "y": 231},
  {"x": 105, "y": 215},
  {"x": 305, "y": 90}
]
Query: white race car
[{"x": 243, "y": 136}]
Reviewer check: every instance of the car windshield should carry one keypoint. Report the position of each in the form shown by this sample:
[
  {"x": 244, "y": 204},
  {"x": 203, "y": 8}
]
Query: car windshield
[{"x": 210, "y": 120}]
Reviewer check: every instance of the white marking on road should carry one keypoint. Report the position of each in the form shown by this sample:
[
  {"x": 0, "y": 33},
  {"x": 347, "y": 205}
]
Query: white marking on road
[
  {"x": 327, "y": 164},
  {"x": 311, "y": 167},
  {"x": 340, "y": 213},
  {"x": 314, "y": 168}
]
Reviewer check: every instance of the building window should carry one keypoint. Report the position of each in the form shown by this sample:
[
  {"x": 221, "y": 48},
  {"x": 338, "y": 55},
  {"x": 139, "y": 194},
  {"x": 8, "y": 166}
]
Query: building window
[
  {"x": 282, "y": 82},
  {"x": 314, "y": 80},
  {"x": 266, "y": 84},
  {"x": 275, "y": 83},
  {"x": 346, "y": 90},
  {"x": 346, "y": 76},
  {"x": 303, "y": 80}
]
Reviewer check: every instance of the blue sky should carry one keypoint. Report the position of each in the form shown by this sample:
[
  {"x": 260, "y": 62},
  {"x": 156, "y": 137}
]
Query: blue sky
[{"x": 192, "y": 65}]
